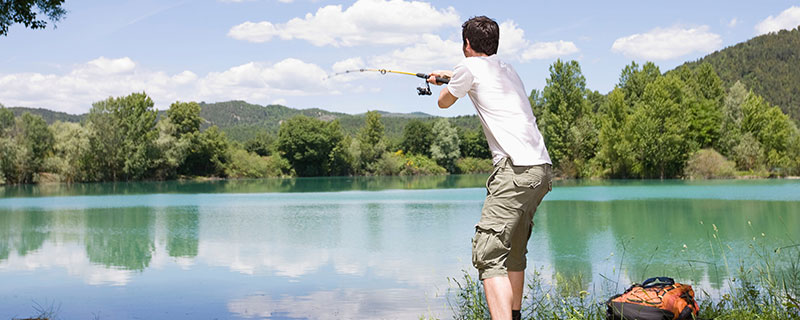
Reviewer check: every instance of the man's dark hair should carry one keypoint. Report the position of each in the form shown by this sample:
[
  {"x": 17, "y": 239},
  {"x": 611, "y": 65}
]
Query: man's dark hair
[{"x": 483, "y": 34}]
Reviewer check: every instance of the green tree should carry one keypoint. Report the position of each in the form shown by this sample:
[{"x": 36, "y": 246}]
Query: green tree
[
  {"x": 262, "y": 144},
  {"x": 6, "y": 120},
  {"x": 22, "y": 11},
  {"x": 613, "y": 148},
  {"x": 704, "y": 95},
  {"x": 633, "y": 80},
  {"x": 730, "y": 129},
  {"x": 771, "y": 127},
  {"x": 417, "y": 138},
  {"x": 748, "y": 153},
  {"x": 70, "y": 151},
  {"x": 473, "y": 144},
  {"x": 171, "y": 150},
  {"x": 312, "y": 146},
  {"x": 371, "y": 143},
  {"x": 562, "y": 126},
  {"x": 185, "y": 116},
  {"x": 444, "y": 148},
  {"x": 657, "y": 130},
  {"x": 208, "y": 153},
  {"x": 122, "y": 132}
]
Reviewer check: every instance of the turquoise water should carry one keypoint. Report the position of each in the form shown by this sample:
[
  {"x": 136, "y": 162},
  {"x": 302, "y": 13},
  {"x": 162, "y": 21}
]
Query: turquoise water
[{"x": 355, "y": 248}]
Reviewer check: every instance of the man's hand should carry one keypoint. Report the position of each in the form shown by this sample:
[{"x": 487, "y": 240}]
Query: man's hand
[{"x": 447, "y": 74}]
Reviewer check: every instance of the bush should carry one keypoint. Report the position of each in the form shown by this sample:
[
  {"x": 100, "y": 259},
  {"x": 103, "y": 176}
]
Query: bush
[
  {"x": 245, "y": 164},
  {"x": 474, "y": 165},
  {"x": 709, "y": 164},
  {"x": 421, "y": 165},
  {"x": 389, "y": 164}
]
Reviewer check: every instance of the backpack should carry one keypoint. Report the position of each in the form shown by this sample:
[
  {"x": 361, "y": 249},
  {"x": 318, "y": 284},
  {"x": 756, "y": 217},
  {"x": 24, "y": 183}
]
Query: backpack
[{"x": 655, "y": 299}]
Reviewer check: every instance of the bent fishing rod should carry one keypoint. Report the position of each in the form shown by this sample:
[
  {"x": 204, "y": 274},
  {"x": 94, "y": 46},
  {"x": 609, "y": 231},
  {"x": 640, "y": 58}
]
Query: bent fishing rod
[{"x": 422, "y": 91}]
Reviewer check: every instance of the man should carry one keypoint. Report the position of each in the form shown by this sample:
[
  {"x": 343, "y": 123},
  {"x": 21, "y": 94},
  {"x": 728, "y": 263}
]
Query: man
[{"x": 522, "y": 167}]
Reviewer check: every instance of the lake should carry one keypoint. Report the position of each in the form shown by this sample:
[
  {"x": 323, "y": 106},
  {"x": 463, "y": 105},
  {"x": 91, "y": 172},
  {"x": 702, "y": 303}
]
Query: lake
[{"x": 356, "y": 248}]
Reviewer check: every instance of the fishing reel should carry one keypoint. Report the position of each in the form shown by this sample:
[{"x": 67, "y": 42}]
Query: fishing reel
[{"x": 424, "y": 91}]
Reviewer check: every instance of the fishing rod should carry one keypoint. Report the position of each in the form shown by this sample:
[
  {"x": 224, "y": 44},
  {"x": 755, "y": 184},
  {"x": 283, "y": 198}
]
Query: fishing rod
[{"x": 422, "y": 91}]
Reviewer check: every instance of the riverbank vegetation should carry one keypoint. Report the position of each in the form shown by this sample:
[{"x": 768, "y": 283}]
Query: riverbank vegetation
[
  {"x": 766, "y": 287},
  {"x": 682, "y": 124}
]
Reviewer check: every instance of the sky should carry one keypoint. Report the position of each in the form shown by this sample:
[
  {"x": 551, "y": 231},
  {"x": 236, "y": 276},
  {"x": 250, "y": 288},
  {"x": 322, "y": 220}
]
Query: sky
[{"x": 284, "y": 51}]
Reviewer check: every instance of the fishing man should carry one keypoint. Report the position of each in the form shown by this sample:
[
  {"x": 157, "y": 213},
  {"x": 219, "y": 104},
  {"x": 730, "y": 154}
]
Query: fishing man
[{"x": 522, "y": 168}]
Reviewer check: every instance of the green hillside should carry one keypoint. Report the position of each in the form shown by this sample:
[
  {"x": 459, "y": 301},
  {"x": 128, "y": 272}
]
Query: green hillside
[
  {"x": 768, "y": 64},
  {"x": 49, "y": 116}
]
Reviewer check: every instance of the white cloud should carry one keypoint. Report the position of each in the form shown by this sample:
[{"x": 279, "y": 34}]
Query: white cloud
[
  {"x": 788, "y": 19},
  {"x": 430, "y": 53},
  {"x": 365, "y": 22},
  {"x": 513, "y": 45},
  {"x": 76, "y": 90},
  {"x": 668, "y": 43},
  {"x": 733, "y": 23}
]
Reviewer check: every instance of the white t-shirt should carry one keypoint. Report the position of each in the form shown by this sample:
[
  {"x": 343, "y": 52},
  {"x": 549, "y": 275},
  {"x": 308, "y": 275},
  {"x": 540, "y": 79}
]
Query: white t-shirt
[{"x": 503, "y": 107}]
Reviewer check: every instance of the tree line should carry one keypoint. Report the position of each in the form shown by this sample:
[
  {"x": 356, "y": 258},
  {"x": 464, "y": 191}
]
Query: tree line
[
  {"x": 651, "y": 125},
  {"x": 123, "y": 139},
  {"x": 683, "y": 123}
]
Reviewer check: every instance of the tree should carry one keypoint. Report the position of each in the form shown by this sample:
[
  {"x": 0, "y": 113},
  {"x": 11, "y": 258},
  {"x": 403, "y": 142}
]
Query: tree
[
  {"x": 633, "y": 80},
  {"x": 561, "y": 124},
  {"x": 613, "y": 148},
  {"x": 730, "y": 128},
  {"x": 444, "y": 148},
  {"x": 371, "y": 143},
  {"x": 473, "y": 144},
  {"x": 657, "y": 130},
  {"x": 208, "y": 153},
  {"x": 22, "y": 11},
  {"x": 417, "y": 138},
  {"x": 70, "y": 151},
  {"x": 312, "y": 146},
  {"x": 122, "y": 132},
  {"x": 771, "y": 127},
  {"x": 262, "y": 144},
  {"x": 185, "y": 116}
]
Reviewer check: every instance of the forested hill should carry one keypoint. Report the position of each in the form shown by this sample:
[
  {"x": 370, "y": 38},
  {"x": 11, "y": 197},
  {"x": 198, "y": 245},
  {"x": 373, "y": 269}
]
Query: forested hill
[
  {"x": 242, "y": 121},
  {"x": 49, "y": 116},
  {"x": 768, "y": 64}
]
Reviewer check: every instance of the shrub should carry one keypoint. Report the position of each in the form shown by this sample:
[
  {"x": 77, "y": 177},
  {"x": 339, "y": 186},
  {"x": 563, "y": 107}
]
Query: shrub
[
  {"x": 245, "y": 164},
  {"x": 709, "y": 164},
  {"x": 421, "y": 165},
  {"x": 474, "y": 165}
]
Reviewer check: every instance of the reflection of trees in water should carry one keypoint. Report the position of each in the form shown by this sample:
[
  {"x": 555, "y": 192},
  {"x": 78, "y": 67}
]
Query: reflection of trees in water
[
  {"x": 374, "y": 226},
  {"x": 23, "y": 231},
  {"x": 120, "y": 237},
  {"x": 570, "y": 225},
  {"x": 317, "y": 226},
  {"x": 182, "y": 231}
]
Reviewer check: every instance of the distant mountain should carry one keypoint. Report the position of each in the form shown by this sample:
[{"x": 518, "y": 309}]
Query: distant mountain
[
  {"x": 48, "y": 115},
  {"x": 768, "y": 64}
]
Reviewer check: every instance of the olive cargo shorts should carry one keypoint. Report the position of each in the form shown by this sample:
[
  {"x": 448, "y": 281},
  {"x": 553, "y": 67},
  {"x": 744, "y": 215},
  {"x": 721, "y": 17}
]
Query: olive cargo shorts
[{"x": 501, "y": 236}]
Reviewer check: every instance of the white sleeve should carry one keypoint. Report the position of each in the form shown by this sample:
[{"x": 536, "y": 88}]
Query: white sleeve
[{"x": 461, "y": 81}]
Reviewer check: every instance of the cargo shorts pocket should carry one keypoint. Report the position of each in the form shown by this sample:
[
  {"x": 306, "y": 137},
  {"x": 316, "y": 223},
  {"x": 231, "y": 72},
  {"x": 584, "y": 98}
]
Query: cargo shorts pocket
[
  {"x": 530, "y": 178},
  {"x": 490, "y": 246}
]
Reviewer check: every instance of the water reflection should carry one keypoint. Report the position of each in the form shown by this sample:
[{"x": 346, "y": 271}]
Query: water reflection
[{"x": 361, "y": 254}]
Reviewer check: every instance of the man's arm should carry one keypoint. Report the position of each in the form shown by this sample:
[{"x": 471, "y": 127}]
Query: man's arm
[{"x": 446, "y": 99}]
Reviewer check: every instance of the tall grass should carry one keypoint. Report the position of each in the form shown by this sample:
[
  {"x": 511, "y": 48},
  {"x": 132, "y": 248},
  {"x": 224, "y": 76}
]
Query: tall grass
[{"x": 766, "y": 288}]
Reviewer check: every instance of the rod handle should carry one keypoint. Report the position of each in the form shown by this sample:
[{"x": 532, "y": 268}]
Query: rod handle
[{"x": 438, "y": 79}]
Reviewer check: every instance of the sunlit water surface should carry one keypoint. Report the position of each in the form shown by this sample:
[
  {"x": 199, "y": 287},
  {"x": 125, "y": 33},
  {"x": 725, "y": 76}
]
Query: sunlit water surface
[{"x": 354, "y": 248}]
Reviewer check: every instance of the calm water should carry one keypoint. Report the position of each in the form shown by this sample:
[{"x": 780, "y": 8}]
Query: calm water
[{"x": 353, "y": 248}]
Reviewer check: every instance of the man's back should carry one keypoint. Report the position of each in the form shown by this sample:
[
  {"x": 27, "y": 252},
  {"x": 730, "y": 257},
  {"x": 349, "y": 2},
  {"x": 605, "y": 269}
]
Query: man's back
[{"x": 503, "y": 107}]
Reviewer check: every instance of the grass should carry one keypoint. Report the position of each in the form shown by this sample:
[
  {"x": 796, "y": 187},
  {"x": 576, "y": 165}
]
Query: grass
[{"x": 766, "y": 289}]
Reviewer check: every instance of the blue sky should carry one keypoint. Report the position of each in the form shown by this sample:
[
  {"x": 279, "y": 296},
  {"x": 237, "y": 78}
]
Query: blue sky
[{"x": 271, "y": 51}]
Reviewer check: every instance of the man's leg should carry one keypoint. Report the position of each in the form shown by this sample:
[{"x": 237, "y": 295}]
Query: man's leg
[
  {"x": 517, "y": 279},
  {"x": 499, "y": 296}
]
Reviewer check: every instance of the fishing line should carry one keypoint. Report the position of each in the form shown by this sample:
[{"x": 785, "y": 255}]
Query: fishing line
[{"x": 422, "y": 91}]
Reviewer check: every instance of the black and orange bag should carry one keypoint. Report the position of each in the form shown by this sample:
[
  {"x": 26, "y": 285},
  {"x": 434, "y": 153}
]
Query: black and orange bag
[{"x": 655, "y": 299}]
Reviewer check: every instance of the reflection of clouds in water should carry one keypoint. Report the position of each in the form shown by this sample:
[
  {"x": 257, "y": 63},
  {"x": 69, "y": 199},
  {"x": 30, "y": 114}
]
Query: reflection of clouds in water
[
  {"x": 70, "y": 257},
  {"x": 336, "y": 304}
]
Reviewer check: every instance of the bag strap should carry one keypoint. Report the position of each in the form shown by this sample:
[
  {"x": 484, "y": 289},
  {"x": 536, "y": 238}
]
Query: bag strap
[{"x": 661, "y": 280}]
